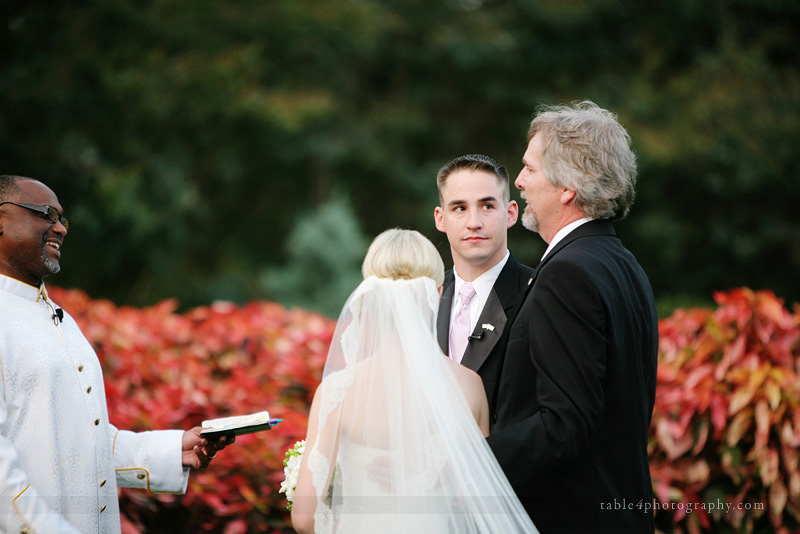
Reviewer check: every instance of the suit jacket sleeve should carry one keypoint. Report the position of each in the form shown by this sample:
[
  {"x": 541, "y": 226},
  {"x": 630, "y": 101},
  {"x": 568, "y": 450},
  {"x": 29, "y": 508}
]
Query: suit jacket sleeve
[{"x": 565, "y": 343}]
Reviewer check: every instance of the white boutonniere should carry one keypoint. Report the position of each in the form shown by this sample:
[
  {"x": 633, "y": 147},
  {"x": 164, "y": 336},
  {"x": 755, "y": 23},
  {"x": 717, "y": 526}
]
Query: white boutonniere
[{"x": 487, "y": 326}]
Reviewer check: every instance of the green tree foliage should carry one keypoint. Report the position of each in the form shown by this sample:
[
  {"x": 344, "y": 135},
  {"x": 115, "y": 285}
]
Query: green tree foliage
[
  {"x": 326, "y": 249},
  {"x": 187, "y": 139}
]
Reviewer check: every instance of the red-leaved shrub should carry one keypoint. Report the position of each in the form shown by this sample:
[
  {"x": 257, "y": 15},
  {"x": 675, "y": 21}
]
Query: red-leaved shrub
[{"x": 726, "y": 425}]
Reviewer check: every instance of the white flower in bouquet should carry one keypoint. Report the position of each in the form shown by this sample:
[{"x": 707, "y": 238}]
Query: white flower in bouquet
[{"x": 291, "y": 467}]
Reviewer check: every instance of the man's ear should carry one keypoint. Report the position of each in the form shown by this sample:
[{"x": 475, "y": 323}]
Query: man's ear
[
  {"x": 513, "y": 213},
  {"x": 438, "y": 218},
  {"x": 567, "y": 196}
]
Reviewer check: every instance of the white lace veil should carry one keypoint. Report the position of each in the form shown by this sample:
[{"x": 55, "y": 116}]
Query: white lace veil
[{"x": 398, "y": 448}]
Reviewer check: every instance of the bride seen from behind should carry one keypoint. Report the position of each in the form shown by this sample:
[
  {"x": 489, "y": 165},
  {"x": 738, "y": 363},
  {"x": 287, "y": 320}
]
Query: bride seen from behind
[{"x": 396, "y": 429}]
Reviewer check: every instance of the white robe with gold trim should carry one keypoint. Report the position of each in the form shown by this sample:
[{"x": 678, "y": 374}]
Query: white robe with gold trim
[{"x": 60, "y": 459}]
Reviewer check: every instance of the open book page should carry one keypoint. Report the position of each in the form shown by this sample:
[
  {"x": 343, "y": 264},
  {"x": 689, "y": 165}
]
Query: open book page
[{"x": 238, "y": 424}]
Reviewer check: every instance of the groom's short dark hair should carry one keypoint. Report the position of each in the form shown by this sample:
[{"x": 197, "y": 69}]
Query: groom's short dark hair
[{"x": 473, "y": 162}]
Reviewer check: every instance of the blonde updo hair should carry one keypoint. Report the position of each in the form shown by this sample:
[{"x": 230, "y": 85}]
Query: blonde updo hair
[{"x": 403, "y": 255}]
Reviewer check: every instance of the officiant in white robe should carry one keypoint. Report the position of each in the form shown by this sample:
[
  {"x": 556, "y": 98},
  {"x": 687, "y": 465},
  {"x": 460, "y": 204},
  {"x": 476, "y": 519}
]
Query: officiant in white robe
[{"x": 61, "y": 460}]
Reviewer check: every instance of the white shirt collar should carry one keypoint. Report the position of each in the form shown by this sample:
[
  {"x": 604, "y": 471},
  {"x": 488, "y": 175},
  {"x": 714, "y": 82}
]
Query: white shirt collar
[
  {"x": 21, "y": 289},
  {"x": 484, "y": 283},
  {"x": 564, "y": 232}
]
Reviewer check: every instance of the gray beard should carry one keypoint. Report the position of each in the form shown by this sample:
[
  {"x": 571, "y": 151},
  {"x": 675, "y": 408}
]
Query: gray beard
[
  {"x": 52, "y": 266},
  {"x": 529, "y": 221}
]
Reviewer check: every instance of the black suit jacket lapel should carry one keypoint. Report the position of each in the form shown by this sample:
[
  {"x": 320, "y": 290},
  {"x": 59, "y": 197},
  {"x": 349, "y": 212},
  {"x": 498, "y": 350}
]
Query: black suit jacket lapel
[
  {"x": 488, "y": 330},
  {"x": 443, "y": 320},
  {"x": 499, "y": 307}
]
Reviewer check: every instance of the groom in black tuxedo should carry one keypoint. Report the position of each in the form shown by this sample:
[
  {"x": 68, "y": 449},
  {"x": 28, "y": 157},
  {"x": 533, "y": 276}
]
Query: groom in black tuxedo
[
  {"x": 475, "y": 211},
  {"x": 577, "y": 383}
]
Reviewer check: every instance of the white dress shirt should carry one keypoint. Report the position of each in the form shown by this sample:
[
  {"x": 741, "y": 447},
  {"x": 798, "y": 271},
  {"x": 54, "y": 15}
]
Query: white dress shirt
[{"x": 61, "y": 460}]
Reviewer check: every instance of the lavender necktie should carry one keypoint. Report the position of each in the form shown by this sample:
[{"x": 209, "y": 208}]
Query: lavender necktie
[{"x": 460, "y": 330}]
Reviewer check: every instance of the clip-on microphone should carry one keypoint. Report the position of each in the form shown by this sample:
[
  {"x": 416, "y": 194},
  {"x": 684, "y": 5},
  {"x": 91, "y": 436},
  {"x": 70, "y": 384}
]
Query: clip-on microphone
[
  {"x": 477, "y": 336},
  {"x": 58, "y": 316}
]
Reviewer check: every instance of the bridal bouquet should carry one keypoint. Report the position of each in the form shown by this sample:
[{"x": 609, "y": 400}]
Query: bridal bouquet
[{"x": 291, "y": 466}]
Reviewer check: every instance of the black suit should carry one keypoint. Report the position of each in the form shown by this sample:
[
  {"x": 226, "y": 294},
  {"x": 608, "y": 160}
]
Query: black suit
[
  {"x": 577, "y": 389},
  {"x": 484, "y": 355}
]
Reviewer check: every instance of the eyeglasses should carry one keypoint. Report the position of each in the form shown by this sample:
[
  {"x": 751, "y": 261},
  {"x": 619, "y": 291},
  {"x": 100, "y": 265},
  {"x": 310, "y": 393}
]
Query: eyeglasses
[{"x": 48, "y": 212}]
